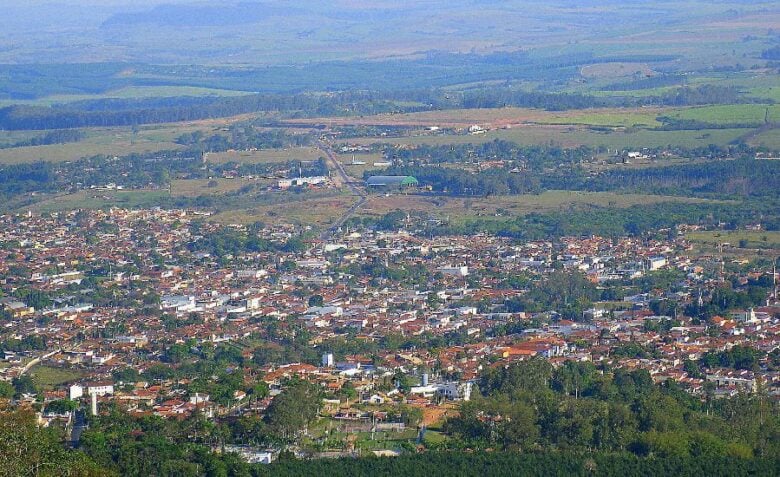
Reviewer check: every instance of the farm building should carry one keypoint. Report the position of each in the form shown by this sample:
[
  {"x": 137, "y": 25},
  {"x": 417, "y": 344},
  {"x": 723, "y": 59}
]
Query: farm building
[{"x": 392, "y": 181}]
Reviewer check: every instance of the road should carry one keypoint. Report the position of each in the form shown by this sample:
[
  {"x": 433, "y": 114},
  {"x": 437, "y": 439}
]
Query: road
[
  {"x": 35, "y": 361},
  {"x": 341, "y": 179}
]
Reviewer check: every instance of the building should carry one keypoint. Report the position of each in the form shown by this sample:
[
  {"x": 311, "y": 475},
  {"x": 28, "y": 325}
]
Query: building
[
  {"x": 397, "y": 182},
  {"x": 302, "y": 181},
  {"x": 655, "y": 263},
  {"x": 458, "y": 271}
]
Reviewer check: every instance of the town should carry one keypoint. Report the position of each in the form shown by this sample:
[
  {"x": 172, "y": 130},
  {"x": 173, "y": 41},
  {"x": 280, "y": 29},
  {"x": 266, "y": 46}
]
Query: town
[{"x": 154, "y": 312}]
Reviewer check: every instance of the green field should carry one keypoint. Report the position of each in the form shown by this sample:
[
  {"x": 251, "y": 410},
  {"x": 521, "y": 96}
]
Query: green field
[
  {"x": 731, "y": 113},
  {"x": 110, "y": 141},
  {"x": 608, "y": 119},
  {"x": 760, "y": 239},
  {"x": 770, "y": 139},
  {"x": 48, "y": 377}
]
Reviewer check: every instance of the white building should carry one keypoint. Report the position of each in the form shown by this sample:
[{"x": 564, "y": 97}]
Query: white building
[
  {"x": 300, "y": 181},
  {"x": 459, "y": 271}
]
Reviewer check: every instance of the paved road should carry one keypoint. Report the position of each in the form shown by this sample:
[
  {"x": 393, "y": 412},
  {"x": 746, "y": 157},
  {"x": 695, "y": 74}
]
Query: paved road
[
  {"x": 341, "y": 179},
  {"x": 35, "y": 361}
]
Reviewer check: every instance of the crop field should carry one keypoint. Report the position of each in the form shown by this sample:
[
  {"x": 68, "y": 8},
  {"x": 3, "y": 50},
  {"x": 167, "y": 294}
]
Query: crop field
[{"x": 266, "y": 156}]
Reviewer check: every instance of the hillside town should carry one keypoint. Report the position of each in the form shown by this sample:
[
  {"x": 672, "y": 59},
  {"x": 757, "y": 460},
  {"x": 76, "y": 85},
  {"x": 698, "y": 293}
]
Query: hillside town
[{"x": 160, "y": 312}]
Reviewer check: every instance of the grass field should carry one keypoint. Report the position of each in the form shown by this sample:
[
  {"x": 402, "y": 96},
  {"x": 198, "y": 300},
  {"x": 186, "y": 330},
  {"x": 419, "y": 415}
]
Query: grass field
[
  {"x": 86, "y": 148},
  {"x": 197, "y": 187},
  {"x": 770, "y": 139},
  {"x": 605, "y": 118},
  {"x": 730, "y": 113},
  {"x": 112, "y": 141},
  {"x": 266, "y": 156},
  {"x": 500, "y": 117},
  {"x": 736, "y": 238},
  {"x": 47, "y": 377}
]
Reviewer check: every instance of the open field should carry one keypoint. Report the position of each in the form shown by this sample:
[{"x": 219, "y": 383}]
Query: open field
[
  {"x": 100, "y": 199},
  {"x": 198, "y": 187},
  {"x": 760, "y": 239},
  {"x": 613, "y": 70},
  {"x": 618, "y": 118},
  {"x": 730, "y": 113},
  {"x": 456, "y": 208},
  {"x": 48, "y": 377},
  {"x": 266, "y": 156},
  {"x": 319, "y": 212},
  {"x": 356, "y": 171},
  {"x": 130, "y": 92},
  {"x": 501, "y": 117},
  {"x": 97, "y": 199},
  {"x": 111, "y": 141},
  {"x": 572, "y": 136},
  {"x": 123, "y": 145},
  {"x": 513, "y": 117},
  {"x": 770, "y": 139}
]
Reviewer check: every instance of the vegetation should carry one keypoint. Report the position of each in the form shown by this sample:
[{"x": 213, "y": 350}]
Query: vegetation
[{"x": 530, "y": 405}]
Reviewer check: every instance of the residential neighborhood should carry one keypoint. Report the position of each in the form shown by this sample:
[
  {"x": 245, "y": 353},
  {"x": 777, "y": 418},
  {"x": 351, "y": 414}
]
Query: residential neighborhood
[{"x": 116, "y": 309}]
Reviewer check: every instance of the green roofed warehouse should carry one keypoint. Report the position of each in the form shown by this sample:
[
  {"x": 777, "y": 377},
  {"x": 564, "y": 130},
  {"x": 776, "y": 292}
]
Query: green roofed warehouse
[{"x": 392, "y": 181}]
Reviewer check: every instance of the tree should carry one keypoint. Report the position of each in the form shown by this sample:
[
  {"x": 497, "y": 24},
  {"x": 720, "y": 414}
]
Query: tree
[
  {"x": 26, "y": 449},
  {"x": 293, "y": 409},
  {"x": 61, "y": 406},
  {"x": 316, "y": 300},
  {"x": 24, "y": 385}
]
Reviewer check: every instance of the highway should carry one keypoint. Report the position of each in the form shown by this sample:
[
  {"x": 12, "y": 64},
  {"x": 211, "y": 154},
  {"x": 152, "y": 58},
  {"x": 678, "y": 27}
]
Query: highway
[{"x": 341, "y": 179}]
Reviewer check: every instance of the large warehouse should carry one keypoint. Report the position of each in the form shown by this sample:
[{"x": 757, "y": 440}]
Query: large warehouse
[{"x": 392, "y": 181}]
